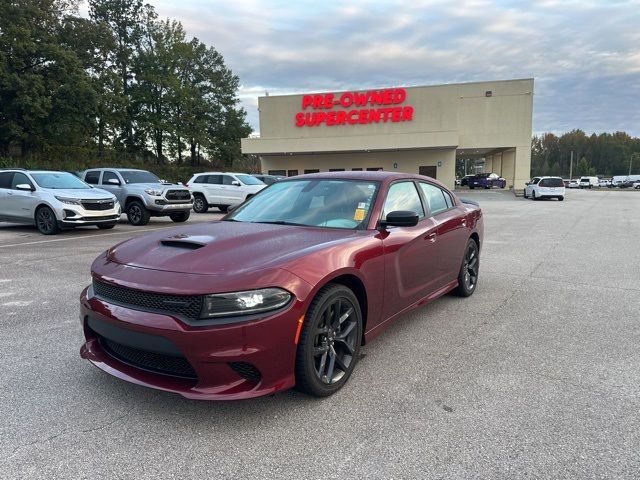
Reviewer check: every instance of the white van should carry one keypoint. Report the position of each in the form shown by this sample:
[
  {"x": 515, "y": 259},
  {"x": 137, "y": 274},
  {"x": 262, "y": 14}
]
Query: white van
[{"x": 589, "y": 182}]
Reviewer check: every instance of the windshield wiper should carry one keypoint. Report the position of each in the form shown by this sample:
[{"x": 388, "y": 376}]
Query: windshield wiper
[{"x": 282, "y": 222}]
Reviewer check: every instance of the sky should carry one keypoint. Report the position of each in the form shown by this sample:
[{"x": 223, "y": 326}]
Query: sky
[{"x": 584, "y": 56}]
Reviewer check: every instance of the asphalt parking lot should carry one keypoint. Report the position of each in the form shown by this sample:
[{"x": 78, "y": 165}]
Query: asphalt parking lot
[{"x": 535, "y": 375}]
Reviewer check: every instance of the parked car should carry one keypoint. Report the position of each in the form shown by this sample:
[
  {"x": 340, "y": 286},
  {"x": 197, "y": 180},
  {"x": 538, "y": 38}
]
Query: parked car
[
  {"x": 487, "y": 180},
  {"x": 142, "y": 194},
  {"x": 545, "y": 187},
  {"x": 268, "y": 179},
  {"x": 573, "y": 184},
  {"x": 284, "y": 290},
  {"x": 636, "y": 185},
  {"x": 604, "y": 183},
  {"x": 53, "y": 201},
  {"x": 464, "y": 181},
  {"x": 222, "y": 189},
  {"x": 626, "y": 184},
  {"x": 588, "y": 182}
]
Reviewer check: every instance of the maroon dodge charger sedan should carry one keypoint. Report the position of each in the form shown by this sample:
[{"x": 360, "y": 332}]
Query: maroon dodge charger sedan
[{"x": 282, "y": 291}]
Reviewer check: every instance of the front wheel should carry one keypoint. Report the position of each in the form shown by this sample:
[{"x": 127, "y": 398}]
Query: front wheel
[
  {"x": 468, "y": 275},
  {"x": 137, "y": 214},
  {"x": 46, "y": 221},
  {"x": 561, "y": 198},
  {"x": 179, "y": 217},
  {"x": 525, "y": 193},
  {"x": 329, "y": 341},
  {"x": 533, "y": 195},
  {"x": 200, "y": 204}
]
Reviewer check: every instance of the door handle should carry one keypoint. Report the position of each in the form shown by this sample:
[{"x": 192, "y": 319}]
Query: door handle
[{"x": 431, "y": 237}]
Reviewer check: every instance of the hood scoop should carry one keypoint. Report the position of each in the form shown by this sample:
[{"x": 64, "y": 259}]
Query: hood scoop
[{"x": 188, "y": 242}]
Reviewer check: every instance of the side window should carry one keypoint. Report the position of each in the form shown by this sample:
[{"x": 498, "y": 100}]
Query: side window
[
  {"x": 403, "y": 196},
  {"x": 435, "y": 198},
  {"x": 92, "y": 177},
  {"x": 200, "y": 179},
  {"x": 19, "y": 179},
  {"x": 5, "y": 179},
  {"x": 227, "y": 180},
  {"x": 535, "y": 181},
  {"x": 215, "y": 179},
  {"x": 108, "y": 176},
  {"x": 448, "y": 199}
]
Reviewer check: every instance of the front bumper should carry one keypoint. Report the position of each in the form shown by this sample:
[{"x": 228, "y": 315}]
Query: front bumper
[
  {"x": 214, "y": 362},
  {"x": 160, "y": 205}
]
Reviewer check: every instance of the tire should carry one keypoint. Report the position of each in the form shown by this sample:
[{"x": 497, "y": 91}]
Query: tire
[
  {"x": 137, "y": 214},
  {"x": 200, "y": 204},
  {"x": 524, "y": 194},
  {"x": 106, "y": 227},
  {"x": 471, "y": 188},
  {"x": 533, "y": 195},
  {"x": 469, "y": 270},
  {"x": 180, "y": 217},
  {"x": 328, "y": 348},
  {"x": 46, "y": 221},
  {"x": 560, "y": 199},
  {"x": 223, "y": 208}
]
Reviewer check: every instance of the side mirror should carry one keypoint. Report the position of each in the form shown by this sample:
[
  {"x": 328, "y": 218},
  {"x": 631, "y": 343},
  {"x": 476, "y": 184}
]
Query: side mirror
[
  {"x": 400, "y": 218},
  {"x": 113, "y": 181},
  {"x": 25, "y": 187},
  {"x": 236, "y": 183},
  {"x": 527, "y": 183}
]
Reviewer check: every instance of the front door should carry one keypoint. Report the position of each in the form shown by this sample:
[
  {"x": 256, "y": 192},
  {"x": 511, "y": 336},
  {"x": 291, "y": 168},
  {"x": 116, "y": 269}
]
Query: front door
[
  {"x": 428, "y": 171},
  {"x": 117, "y": 190},
  {"x": 22, "y": 203}
]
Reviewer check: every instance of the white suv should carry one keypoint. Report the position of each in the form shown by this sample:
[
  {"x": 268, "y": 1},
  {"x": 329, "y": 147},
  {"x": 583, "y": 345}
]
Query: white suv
[
  {"x": 54, "y": 200},
  {"x": 545, "y": 187},
  {"x": 222, "y": 189}
]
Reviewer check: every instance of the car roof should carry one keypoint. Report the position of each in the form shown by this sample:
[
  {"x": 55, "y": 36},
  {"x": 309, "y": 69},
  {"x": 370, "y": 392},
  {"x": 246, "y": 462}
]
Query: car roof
[{"x": 221, "y": 173}]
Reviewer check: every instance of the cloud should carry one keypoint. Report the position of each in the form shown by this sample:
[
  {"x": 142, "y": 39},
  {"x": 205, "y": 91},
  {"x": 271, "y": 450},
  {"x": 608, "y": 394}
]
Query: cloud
[{"x": 585, "y": 55}]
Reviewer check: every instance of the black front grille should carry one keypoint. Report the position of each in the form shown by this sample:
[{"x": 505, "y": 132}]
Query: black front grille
[
  {"x": 97, "y": 205},
  {"x": 246, "y": 371},
  {"x": 178, "y": 195},
  {"x": 149, "y": 361},
  {"x": 186, "y": 305}
]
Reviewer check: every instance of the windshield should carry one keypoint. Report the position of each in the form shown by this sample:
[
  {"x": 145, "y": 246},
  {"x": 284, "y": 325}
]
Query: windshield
[
  {"x": 249, "y": 180},
  {"x": 138, "y": 176},
  {"x": 314, "y": 203},
  {"x": 59, "y": 180}
]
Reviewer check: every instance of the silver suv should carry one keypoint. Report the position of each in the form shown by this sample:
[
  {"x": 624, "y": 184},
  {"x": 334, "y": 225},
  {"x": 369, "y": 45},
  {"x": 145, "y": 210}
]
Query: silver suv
[
  {"x": 142, "y": 194},
  {"x": 222, "y": 189},
  {"x": 54, "y": 200}
]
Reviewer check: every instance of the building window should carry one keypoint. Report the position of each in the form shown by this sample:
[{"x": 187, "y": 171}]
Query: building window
[
  {"x": 292, "y": 173},
  {"x": 312, "y": 170},
  {"x": 282, "y": 173},
  {"x": 374, "y": 169},
  {"x": 336, "y": 169},
  {"x": 357, "y": 169}
]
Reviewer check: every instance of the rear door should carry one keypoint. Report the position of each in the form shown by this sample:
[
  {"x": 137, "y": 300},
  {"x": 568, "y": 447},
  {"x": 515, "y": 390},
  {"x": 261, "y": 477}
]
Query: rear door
[
  {"x": 410, "y": 253},
  {"x": 213, "y": 189},
  {"x": 6, "y": 196},
  {"x": 451, "y": 228}
]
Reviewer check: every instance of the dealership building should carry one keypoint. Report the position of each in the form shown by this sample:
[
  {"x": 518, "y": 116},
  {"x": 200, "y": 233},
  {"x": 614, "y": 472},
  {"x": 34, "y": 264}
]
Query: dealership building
[{"x": 413, "y": 129}]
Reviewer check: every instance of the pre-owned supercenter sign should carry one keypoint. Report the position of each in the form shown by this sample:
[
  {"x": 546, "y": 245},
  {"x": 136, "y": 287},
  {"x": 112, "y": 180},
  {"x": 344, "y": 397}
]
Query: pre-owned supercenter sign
[{"x": 354, "y": 108}]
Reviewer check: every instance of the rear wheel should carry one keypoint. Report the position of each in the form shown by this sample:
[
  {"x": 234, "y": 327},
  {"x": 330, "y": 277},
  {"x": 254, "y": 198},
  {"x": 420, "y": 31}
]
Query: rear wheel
[
  {"x": 46, "y": 221},
  {"x": 329, "y": 341},
  {"x": 525, "y": 193},
  {"x": 200, "y": 204},
  {"x": 533, "y": 195},
  {"x": 561, "y": 198},
  {"x": 180, "y": 217},
  {"x": 137, "y": 214},
  {"x": 468, "y": 275}
]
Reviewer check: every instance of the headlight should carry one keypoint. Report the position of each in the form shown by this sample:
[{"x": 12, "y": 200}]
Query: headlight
[
  {"x": 244, "y": 303},
  {"x": 154, "y": 192},
  {"x": 68, "y": 201}
]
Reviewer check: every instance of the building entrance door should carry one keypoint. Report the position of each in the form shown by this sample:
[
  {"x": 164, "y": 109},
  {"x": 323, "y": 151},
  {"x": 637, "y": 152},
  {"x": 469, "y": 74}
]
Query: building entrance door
[{"x": 429, "y": 171}]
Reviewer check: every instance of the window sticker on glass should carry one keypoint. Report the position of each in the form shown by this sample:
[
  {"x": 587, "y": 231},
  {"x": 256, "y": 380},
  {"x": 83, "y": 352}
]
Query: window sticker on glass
[{"x": 358, "y": 215}]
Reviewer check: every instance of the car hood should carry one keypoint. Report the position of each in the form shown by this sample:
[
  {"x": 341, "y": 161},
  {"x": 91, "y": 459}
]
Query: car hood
[
  {"x": 156, "y": 186},
  {"x": 81, "y": 193},
  {"x": 224, "y": 248}
]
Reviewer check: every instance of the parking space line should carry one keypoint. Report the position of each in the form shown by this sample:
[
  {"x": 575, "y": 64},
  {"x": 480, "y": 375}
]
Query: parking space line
[{"x": 82, "y": 237}]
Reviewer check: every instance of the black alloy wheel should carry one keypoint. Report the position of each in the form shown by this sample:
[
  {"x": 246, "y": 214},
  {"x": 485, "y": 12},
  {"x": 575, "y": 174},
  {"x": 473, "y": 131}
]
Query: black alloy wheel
[
  {"x": 137, "y": 214},
  {"x": 329, "y": 342},
  {"x": 200, "y": 204},
  {"x": 468, "y": 275},
  {"x": 179, "y": 217},
  {"x": 46, "y": 221}
]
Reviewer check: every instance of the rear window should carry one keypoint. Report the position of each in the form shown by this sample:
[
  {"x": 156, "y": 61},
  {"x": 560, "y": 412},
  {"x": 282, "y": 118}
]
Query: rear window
[{"x": 551, "y": 182}]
